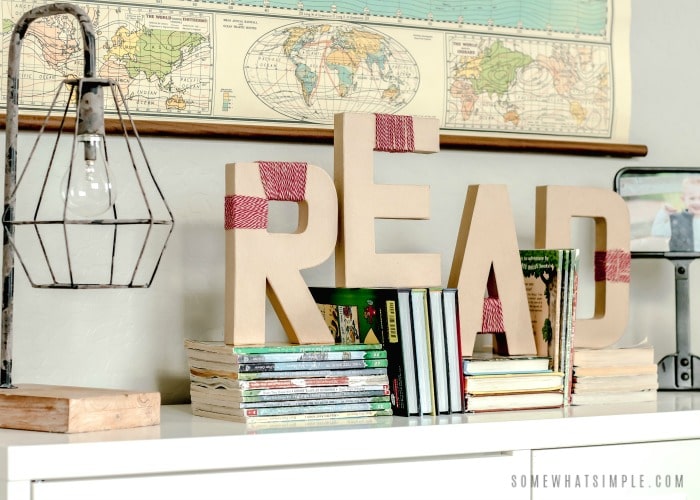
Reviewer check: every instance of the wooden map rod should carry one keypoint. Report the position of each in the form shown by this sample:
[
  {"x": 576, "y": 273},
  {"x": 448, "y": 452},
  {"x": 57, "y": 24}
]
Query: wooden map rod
[{"x": 321, "y": 135}]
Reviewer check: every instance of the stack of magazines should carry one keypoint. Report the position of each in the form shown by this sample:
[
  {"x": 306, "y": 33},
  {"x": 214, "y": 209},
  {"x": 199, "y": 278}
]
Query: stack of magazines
[{"x": 287, "y": 382}]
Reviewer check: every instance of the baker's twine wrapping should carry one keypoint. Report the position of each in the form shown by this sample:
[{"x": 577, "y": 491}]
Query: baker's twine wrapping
[
  {"x": 613, "y": 266},
  {"x": 492, "y": 317},
  {"x": 282, "y": 181},
  {"x": 394, "y": 133}
]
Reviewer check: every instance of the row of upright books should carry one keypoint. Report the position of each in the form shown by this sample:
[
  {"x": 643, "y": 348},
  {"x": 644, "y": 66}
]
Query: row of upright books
[{"x": 418, "y": 328}]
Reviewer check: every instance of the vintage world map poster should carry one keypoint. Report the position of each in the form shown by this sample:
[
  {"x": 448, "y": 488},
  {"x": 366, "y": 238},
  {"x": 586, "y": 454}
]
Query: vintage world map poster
[{"x": 511, "y": 68}]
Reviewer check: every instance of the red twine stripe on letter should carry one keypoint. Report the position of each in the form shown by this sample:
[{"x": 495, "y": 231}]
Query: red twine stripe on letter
[
  {"x": 492, "y": 317},
  {"x": 246, "y": 212},
  {"x": 283, "y": 181},
  {"x": 613, "y": 266},
  {"x": 394, "y": 133}
]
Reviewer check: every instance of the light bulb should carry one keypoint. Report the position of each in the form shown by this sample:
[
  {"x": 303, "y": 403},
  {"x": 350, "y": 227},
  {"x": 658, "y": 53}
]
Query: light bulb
[{"x": 89, "y": 189}]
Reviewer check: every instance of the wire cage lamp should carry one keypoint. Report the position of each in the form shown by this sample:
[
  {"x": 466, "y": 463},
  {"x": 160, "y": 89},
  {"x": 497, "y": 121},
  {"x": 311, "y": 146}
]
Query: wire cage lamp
[{"x": 75, "y": 218}]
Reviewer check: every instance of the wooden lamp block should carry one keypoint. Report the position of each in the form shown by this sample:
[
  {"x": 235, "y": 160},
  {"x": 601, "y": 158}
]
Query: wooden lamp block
[
  {"x": 555, "y": 207},
  {"x": 362, "y": 201},
  {"x": 76, "y": 409},
  {"x": 260, "y": 264},
  {"x": 487, "y": 240}
]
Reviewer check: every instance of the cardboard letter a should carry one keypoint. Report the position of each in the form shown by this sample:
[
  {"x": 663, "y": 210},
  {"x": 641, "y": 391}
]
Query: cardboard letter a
[{"x": 486, "y": 240}]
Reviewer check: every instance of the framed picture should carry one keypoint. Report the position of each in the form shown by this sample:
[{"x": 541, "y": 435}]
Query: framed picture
[
  {"x": 529, "y": 76},
  {"x": 664, "y": 207}
]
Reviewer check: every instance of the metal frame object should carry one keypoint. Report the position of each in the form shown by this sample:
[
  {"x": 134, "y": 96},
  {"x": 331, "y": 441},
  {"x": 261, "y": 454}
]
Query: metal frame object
[
  {"x": 88, "y": 93},
  {"x": 681, "y": 370}
]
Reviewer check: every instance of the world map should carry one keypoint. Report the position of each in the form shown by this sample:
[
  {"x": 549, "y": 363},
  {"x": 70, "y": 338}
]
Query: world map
[
  {"x": 530, "y": 68},
  {"x": 509, "y": 84},
  {"x": 161, "y": 60},
  {"x": 320, "y": 69}
]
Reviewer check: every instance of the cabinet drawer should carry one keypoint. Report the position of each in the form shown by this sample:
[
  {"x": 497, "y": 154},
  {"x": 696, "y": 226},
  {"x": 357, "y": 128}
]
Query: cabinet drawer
[
  {"x": 660, "y": 470},
  {"x": 485, "y": 476}
]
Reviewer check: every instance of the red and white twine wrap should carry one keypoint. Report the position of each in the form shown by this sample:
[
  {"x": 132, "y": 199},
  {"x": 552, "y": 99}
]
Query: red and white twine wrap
[
  {"x": 394, "y": 133},
  {"x": 492, "y": 316},
  {"x": 613, "y": 266},
  {"x": 247, "y": 212},
  {"x": 282, "y": 181}
]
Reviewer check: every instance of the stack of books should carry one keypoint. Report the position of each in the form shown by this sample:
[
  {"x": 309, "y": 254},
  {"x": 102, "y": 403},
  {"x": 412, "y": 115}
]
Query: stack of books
[
  {"x": 499, "y": 383},
  {"x": 273, "y": 383},
  {"x": 419, "y": 329},
  {"x": 614, "y": 375}
]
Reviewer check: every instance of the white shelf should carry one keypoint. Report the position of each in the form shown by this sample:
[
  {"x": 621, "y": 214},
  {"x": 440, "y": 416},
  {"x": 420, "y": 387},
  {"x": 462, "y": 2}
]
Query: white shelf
[{"x": 185, "y": 444}]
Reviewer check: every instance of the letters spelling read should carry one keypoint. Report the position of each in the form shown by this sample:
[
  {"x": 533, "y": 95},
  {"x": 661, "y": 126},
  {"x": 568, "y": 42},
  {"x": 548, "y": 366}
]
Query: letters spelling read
[{"x": 338, "y": 215}]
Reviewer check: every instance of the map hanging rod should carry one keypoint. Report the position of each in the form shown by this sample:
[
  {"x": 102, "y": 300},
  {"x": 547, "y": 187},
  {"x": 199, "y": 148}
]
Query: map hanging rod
[{"x": 320, "y": 135}]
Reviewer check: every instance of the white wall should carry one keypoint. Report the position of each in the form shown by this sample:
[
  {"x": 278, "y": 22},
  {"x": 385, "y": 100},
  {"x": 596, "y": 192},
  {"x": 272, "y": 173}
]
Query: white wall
[{"x": 133, "y": 338}]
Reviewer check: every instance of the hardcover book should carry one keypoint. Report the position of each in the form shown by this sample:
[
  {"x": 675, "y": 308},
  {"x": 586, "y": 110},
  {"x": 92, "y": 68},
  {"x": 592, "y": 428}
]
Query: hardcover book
[
  {"x": 352, "y": 314},
  {"x": 614, "y": 356},
  {"x": 620, "y": 383},
  {"x": 438, "y": 350},
  {"x": 454, "y": 350},
  {"x": 424, "y": 362},
  {"x": 615, "y": 370},
  {"x": 517, "y": 401},
  {"x": 513, "y": 382},
  {"x": 488, "y": 363},
  {"x": 614, "y": 397},
  {"x": 405, "y": 343},
  {"x": 383, "y": 316}
]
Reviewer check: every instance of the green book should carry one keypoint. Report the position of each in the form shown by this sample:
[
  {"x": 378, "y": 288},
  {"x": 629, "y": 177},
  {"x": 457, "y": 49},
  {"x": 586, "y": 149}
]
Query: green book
[
  {"x": 544, "y": 272},
  {"x": 353, "y": 315},
  {"x": 381, "y": 316},
  {"x": 221, "y": 347}
]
